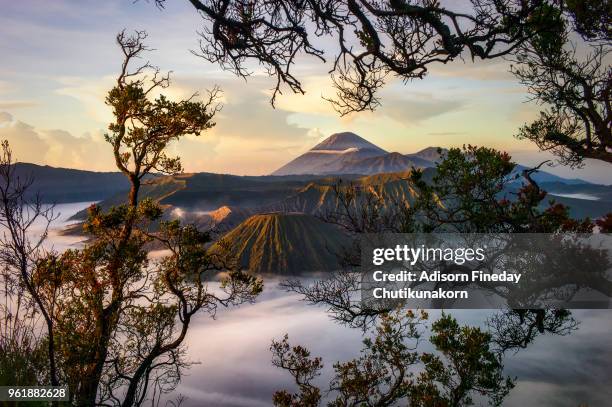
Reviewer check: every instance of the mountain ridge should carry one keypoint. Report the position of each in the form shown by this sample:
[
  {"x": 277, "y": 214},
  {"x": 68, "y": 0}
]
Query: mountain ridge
[{"x": 62, "y": 185}]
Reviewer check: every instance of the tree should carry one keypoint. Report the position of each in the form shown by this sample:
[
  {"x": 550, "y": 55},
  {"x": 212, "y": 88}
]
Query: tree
[
  {"x": 472, "y": 190},
  {"x": 566, "y": 69},
  {"x": 514, "y": 330},
  {"x": 119, "y": 317},
  {"x": 374, "y": 39},
  {"x": 481, "y": 192},
  {"x": 23, "y": 350},
  {"x": 391, "y": 369}
]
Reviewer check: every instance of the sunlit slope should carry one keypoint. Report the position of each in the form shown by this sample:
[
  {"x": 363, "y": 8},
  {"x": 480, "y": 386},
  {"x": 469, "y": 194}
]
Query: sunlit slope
[
  {"x": 317, "y": 198},
  {"x": 392, "y": 162},
  {"x": 286, "y": 244},
  {"x": 222, "y": 219}
]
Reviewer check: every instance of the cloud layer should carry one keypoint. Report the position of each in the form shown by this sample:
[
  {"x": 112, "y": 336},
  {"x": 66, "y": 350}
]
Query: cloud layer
[{"x": 54, "y": 147}]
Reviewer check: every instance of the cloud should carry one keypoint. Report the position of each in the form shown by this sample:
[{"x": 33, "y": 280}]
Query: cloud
[
  {"x": 5, "y": 117},
  {"x": 282, "y": 149},
  {"x": 417, "y": 107},
  {"x": 246, "y": 124},
  {"x": 6, "y": 87},
  {"x": 596, "y": 171},
  {"x": 247, "y": 113},
  {"x": 250, "y": 136},
  {"x": 397, "y": 103},
  {"x": 525, "y": 113},
  {"x": 196, "y": 152},
  {"x": 315, "y": 87},
  {"x": 446, "y": 133},
  {"x": 17, "y": 104},
  {"x": 91, "y": 93},
  {"x": 487, "y": 70},
  {"x": 315, "y": 134},
  {"x": 89, "y": 151},
  {"x": 55, "y": 147},
  {"x": 26, "y": 143}
]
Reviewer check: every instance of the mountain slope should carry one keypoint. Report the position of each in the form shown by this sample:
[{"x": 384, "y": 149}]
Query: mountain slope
[
  {"x": 321, "y": 199},
  {"x": 60, "y": 185},
  {"x": 331, "y": 154},
  {"x": 392, "y": 162},
  {"x": 543, "y": 176},
  {"x": 284, "y": 244},
  {"x": 430, "y": 154},
  {"x": 221, "y": 219},
  {"x": 207, "y": 191}
]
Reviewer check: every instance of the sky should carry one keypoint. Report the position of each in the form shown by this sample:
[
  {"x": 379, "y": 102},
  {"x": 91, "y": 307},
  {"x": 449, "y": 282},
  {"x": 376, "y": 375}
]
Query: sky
[{"x": 59, "y": 59}]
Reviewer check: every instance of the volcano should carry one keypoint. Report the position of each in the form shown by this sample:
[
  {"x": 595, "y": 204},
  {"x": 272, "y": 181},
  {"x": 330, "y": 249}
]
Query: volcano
[
  {"x": 330, "y": 155},
  {"x": 285, "y": 243}
]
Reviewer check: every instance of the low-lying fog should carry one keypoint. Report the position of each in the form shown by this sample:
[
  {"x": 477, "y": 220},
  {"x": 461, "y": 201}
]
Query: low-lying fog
[{"x": 234, "y": 367}]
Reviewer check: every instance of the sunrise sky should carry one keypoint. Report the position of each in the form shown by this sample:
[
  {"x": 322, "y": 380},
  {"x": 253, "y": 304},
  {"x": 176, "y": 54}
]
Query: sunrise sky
[{"x": 59, "y": 59}]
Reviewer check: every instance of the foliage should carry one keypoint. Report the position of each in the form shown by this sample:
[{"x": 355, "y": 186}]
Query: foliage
[
  {"x": 471, "y": 192},
  {"x": 475, "y": 190},
  {"x": 378, "y": 40},
  {"x": 23, "y": 357},
  {"x": 566, "y": 69},
  {"x": 117, "y": 317},
  {"x": 391, "y": 369},
  {"x": 143, "y": 127},
  {"x": 22, "y": 338},
  {"x": 374, "y": 40},
  {"x": 516, "y": 329},
  {"x": 304, "y": 369}
]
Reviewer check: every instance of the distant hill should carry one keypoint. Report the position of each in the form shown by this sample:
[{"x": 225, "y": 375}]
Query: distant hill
[
  {"x": 543, "y": 176},
  {"x": 204, "y": 192},
  {"x": 285, "y": 244},
  {"x": 430, "y": 154},
  {"x": 319, "y": 199},
  {"x": 61, "y": 185},
  {"x": 304, "y": 185},
  {"x": 582, "y": 208},
  {"x": 586, "y": 191},
  {"x": 331, "y": 154}
]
